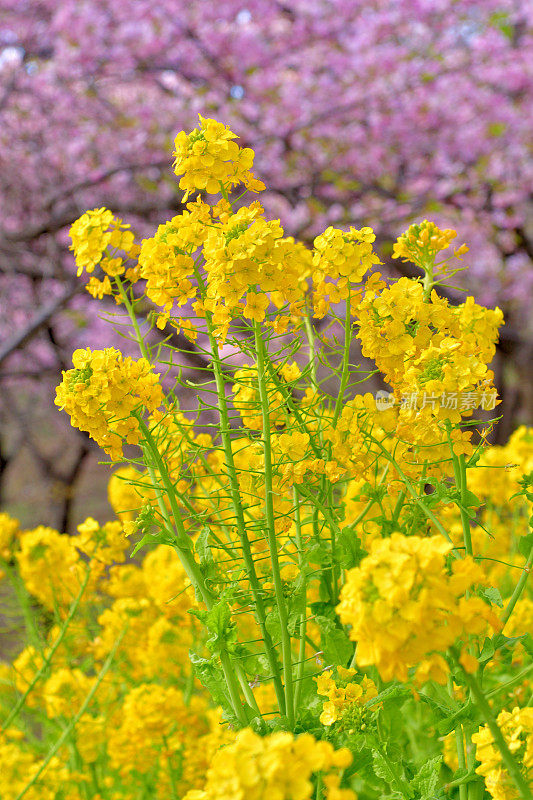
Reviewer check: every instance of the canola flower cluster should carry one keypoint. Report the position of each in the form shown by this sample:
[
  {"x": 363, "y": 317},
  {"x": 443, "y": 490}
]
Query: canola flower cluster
[
  {"x": 424, "y": 241},
  {"x": 517, "y": 728},
  {"x": 208, "y": 159},
  {"x": 405, "y": 609},
  {"x": 277, "y": 766},
  {"x": 342, "y": 699},
  {"x": 103, "y": 394},
  {"x": 320, "y": 578}
]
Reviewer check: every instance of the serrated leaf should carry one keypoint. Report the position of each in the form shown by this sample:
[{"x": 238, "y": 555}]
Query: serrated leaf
[
  {"x": 391, "y": 693},
  {"x": 425, "y": 782},
  {"x": 212, "y": 678},
  {"x": 441, "y": 709},
  {"x": 393, "y": 775},
  {"x": 220, "y": 626}
]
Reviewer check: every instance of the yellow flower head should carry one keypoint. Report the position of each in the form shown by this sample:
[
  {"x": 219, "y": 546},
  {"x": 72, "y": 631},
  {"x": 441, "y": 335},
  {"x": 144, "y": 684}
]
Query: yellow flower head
[
  {"x": 421, "y": 243},
  {"x": 279, "y": 765},
  {"x": 208, "y": 159},
  {"x": 9, "y": 529},
  {"x": 92, "y": 234},
  {"x": 517, "y": 729},
  {"x": 406, "y": 608},
  {"x": 103, "y": 392}
]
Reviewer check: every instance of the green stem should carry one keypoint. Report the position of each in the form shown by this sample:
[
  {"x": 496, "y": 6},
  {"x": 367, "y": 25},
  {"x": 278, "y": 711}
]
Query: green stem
[
  {"x": 517, "y": 679},
  {"x": 428, "y": 281},
  {"x": 303, "y": 617},
  {"x": 311, "y": 339},
  {"x": 519, "y": 588},
  {"x": 183, "y": 544},
  {"x": 72, "y": 610},
  {"x": 480, "y": 700},
  {"x": 173, "y": 783},
  {"x": 183, "y": 547},
  {"x": 398, "y": 507},
  {"x": 459, "y": 741},
  {"x": 420, "y": 503},
  {"x": 270, "y": 521},
  {"x": 75, "y": 719},
  {"x": 460, "y": 782},
  {"x": 133, "y": 318},
  {"x": 240, "y": 522},
  {"x": 459, "y": 471},
  {"x": 345, "y": 362}
]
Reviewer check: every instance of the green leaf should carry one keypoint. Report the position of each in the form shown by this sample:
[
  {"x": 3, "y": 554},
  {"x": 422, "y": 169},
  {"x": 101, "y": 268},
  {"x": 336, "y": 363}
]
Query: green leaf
[
  {"x": 293, "y": 622},
  {"x": 319, "y": 553},
  {"x": 352, "y": 552},
  {"x": 163, "y": 537},
  {"x": 212, "y": 677},
  {"x": 273, "y": 626},
  {"x": 487, "y": 651},
  {"x": 203, "y": 549},
  {"x": 527, "y": 643},
  {"x": 492, "y": 594},
  {"x": 525, "y": 544},
  {"x": 220, "y": 626},
  {"x": 390, "y": 693},
  {"x": 449, "y": 724},
  {"x": 202, "y": 545},
  {"x": 323, "y": 608},
  {"x": 438, "y": 708},
  {"x": 470, "y": 500},
  {"x": 334, "y": 641},
  {"x": 425, "y": 782},
  {"x": 392, "y": 773},
  {"x": 497, "y": 642}
]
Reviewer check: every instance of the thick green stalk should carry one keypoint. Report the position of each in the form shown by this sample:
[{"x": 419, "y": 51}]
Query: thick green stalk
[
  {"x": 345, "y": 374},
  {"x": 270, "y": 521},
  {"x": 480, "y": 700},
  {"x": 183, "y": 546},
  {"x": 303, "y": 618},
  {"x": 240, "y": 523},
  {"x": 519, "y": 588}
]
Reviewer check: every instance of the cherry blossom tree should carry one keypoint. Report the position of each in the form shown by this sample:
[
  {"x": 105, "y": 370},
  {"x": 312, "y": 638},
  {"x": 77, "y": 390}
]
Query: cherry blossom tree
[{"x": 361, "y": 112}]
